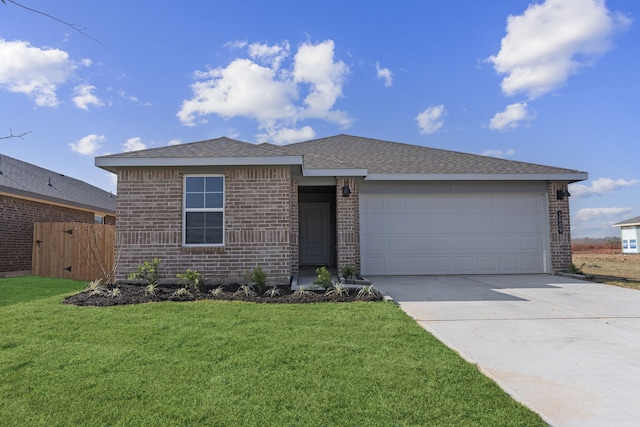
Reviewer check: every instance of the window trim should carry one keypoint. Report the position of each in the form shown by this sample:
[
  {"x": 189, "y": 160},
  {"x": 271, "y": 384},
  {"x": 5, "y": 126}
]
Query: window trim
[{"x": 185, "y": 210}]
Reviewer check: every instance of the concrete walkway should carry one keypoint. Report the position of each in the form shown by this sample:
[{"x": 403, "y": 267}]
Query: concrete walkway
[{"x": 568, "y": 349}]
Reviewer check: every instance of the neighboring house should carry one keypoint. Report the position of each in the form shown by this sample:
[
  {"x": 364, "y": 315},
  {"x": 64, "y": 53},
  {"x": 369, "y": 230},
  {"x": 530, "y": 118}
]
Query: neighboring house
[
  {"x": 224, "y": 206},
  {"x": 630, "y": 235},
  {"x": 30, "y": 194}
]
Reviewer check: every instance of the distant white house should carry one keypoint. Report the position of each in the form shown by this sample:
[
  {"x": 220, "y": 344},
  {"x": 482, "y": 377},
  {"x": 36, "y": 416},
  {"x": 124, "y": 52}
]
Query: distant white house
[{"x": 629, "y": 235}]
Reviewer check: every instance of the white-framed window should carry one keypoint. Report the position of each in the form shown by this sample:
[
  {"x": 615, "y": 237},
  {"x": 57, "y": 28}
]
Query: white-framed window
[
  {"x": 633, "y": 244},
  {"x": 203, "y": 219}
]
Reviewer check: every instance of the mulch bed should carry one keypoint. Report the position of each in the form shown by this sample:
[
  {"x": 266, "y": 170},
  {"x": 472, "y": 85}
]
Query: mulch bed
[{"x": 134, "y": 292}]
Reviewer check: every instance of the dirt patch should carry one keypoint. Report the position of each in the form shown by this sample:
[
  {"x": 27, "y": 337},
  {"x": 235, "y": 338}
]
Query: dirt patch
[
  {"x": 127, "y": 294},
  {"x": 614, "y": 269}
]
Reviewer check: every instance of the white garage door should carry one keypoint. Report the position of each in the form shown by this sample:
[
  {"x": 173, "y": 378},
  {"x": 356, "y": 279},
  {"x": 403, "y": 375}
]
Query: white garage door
[{"x": 452, "y": 234}]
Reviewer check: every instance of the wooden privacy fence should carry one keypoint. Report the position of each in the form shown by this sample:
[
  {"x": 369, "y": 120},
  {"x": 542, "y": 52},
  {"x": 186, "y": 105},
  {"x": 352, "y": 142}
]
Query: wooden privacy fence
[{"x": 74, "y": 250}]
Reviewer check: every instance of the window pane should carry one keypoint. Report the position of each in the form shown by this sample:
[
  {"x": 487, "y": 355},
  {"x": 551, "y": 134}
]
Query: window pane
[
  {"x": 214, "y": 184},
  {"x": 195, "y": 184},
  {"x": 214, "y": 219},
  {"x": 194, "y": 236},
  {"x": 213, "y": 200},
  {"x": 213, "y": 235},
  {"x": 195, "y": 200},
  {"x": 195, "y": 220}
]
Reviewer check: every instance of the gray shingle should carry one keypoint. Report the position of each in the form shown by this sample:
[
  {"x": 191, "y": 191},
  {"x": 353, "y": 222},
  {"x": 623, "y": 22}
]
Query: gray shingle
[
  {"x": 631, "y": 221},
  {"x": 25, "y": 179},
  {"x": 353, "y": 152},
  {"x": 385, "y": 157},
  {"x": 219, "y": 147}
]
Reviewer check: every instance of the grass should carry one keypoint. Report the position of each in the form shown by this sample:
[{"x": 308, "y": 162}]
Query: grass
[{"x": 231, "y": 363}]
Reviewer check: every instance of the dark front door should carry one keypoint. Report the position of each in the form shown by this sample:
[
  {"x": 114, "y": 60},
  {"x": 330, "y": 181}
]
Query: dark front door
[{"x": 315, "y": 235}]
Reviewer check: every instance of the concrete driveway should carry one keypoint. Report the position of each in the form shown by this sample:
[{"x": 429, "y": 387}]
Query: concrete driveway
[{"x": 568, "y": 349}]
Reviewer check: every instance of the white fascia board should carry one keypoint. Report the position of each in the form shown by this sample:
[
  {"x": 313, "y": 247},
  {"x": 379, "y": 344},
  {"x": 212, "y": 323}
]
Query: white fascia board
[
  {"x": 573, "y": 177},
  {"x": 110, "y": 163},
  {"x": 334, "y": 172},
  {"x": 631, "y": 224}
]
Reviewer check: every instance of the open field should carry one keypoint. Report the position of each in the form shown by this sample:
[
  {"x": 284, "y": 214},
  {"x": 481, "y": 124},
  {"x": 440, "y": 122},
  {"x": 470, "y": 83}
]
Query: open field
[
  {"x": 603, "y": 266},
  {"x": 229, "y": 363}
]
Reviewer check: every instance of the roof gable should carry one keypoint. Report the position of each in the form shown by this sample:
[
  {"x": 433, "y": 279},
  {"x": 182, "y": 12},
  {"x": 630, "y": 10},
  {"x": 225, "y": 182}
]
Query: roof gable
[{"x": 24, "y": 179}]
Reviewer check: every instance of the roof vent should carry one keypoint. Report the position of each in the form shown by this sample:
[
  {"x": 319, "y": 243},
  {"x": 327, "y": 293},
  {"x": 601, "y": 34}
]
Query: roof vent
[
  {"x": 49, "y": 183},
  {"x": 0, "y": 164}
]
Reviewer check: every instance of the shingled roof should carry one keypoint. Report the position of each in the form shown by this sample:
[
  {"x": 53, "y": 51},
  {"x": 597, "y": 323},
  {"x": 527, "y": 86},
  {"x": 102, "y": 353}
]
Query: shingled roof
[
  {"x": 632, "y": 221},
  {"x": 24, "y": 179},
  {"x": 343, "y": 155}
]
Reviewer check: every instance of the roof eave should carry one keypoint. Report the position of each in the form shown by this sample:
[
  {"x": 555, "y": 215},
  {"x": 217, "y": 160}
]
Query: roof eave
[
  {"x": 334, "y": 172},
  {"x": 112, "y": 164},
  {"x": 28, "y": 195},
  {"x": 571, "y": 177}
]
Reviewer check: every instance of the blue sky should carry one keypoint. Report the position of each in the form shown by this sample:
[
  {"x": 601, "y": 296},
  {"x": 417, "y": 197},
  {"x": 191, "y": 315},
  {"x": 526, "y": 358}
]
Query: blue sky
[{"x": 552, "y": 82}]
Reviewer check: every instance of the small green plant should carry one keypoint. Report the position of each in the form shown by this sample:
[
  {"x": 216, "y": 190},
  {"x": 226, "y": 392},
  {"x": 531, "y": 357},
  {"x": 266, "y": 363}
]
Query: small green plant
[
  {"x": 151, "y": 289},
  {"x": 368, "y": 292},
  {"x": 182, "y": 292},
  {"x": 147, "y": 271},
  {"x": 115, "y": 293},
  {"x": 245, "y": 290},
  {"x": 338, "y": 289},
  {"x": 302, "y": 291},
  {"x": 97, "y": 287},
  {"x": 192, "y": 278},
  {"x": 273, "y": 292},
  {"x": 348, "y": 272},
  {"x": 575, "y": 270},
  {"x": 216, "y": 292},
  {"x": 258, "y": 278},
  {"x": 324, "y": 278}
]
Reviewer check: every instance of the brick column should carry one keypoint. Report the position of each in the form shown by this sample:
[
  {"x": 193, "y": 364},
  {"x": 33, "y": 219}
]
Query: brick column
[
  {"x": 348, "y": 223},
  {"x": 560, "y": 233},
  {"x": 293, "y": 228}
]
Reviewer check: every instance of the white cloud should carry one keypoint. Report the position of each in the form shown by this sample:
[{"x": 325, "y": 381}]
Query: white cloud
[
  {"x": 384, "y": 74},
  {"x": 34, "y": 71},
  {"x": 601, "y": 186},
  {"x": 176, "y": 141},
  {"x": 83, "y": 97},
  {"x": 511, "y": 117},
  {"x": 273, "y": 55},
  {"x": 551, "y": 41},
  {"x": 597, "y": 222},
  {"x": 499, "y": 153},
  {"x": 87, "y": 145},
  {"x": 261, "y": 88},
  {"x": 133, "y": 144},
  {"x": 122, "y": 94},
  {"x": 430, "y": 120},
  {"x": 589, "y": 214},
  {"x": 287, "y": 136}
]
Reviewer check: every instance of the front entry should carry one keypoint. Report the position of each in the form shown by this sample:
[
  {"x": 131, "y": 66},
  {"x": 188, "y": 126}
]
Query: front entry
[{"x": 315, "y": 233}]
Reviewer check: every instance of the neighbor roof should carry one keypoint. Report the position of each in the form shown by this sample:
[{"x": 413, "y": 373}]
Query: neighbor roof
[
  {"x": 344, "y": 155},
  {"x": 22, "y": 179},
  {"x": 632, "y": 221}
]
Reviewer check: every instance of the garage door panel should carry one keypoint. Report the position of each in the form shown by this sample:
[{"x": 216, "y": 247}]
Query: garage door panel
[{"x": 452, "y": 234}]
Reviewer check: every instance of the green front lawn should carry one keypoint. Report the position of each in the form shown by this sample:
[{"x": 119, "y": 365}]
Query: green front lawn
[{"x": 230, "y": 364}]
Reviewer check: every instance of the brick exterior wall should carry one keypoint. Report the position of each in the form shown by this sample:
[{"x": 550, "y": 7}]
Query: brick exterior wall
[
  {"x": 560, "y": 241},
  {"x": 294, "y": 228},
  {"x": 257, "y": 217},
  {"x": 348, "y": 223},
  {"x": 17, "y": 217}
]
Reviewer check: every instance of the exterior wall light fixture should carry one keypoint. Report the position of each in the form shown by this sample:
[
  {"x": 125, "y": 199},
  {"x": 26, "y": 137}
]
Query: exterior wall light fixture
[
  {"x": 346, "y": 191},
  {"x": 561, "y": 194}
]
